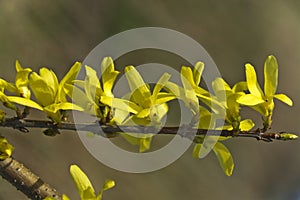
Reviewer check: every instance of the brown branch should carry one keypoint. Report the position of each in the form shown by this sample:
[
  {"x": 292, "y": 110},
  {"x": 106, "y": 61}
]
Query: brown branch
[
  {"x": 25, "y": 180},
  {"x": 111, "y": 131}
]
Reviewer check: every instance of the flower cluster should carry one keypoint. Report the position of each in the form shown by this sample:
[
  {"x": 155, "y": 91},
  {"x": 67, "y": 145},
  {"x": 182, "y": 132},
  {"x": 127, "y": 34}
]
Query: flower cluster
[{"x": 144, "y": 106}]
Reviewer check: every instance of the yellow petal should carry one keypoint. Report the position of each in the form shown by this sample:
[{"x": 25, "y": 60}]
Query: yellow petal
[
  {"x": 121, "y": 104},
  {"x": 65, "y": 197},
  {"x": 24, "y": 102},
  {"x": 224, "y": 157},
  {"x": 220, "y": 85},
  {"x": 284, "y": 99},
  {"x": 188, "y": 80},
  {"x": 175, "y": 89},
  {"x": 196, "y": 150},
  {"x": 232, "y": 104},
  {"x": 80, "y": 179},
  {"x": 240, "y": 87},
  {"x": 159, "y": 85},
  {"x": 109, "y": 75},
  {"x": 140, "y": 92},
  {"x": 261, "y": 108},
  {"x": 188, "y": 83},
  {"x": 145, "y": 143},
  {"x": 107, "y": 185},
  {"x": 157, "y": 112},
  {"x": 44, "y": 93},
  {"x": 271, "y": 76},
  {"x": 246, "y": 125},
  {"x": 5, "y": 148},
  {"x": 143, "y": 113},
  {"x": 8, "y": 86},
  {"x": 67, "y": 79},
  {"x": 81, "y": 99},
  {"x": 164, "y": 97},
  {"x": 21, "y": 79},
  {"x": 252, "y": 83},
  {"x": 250, "y": 100},
  {"x": 197, "y": 72},
  {"x": 143, "y": 140},
  {"x": 50, "y": 78},
  {"x": 92, "y": 75}
]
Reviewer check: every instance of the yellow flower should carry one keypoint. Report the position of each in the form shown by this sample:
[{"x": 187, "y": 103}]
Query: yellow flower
[
  {"x": 90, "y": 98},
  {"x": 20, "y": 87},
  {"x": 49, "y": 93},
  {"x": 84, "y": 187},
  {"x": 21, "y": 80},
  {"x": 140, "y": 106},
  {"x": 230, "y": 105},
  {"x": 263, "y": 101}
]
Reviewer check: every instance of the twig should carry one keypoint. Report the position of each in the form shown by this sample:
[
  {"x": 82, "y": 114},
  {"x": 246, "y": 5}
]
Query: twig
[
  {"x": 25, "y": 180},
  {"x": 110, "y": 131}
]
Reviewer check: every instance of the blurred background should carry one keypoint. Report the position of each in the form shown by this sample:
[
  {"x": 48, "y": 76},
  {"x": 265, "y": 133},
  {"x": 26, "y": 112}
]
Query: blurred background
[{"x": 57, "y": 33}]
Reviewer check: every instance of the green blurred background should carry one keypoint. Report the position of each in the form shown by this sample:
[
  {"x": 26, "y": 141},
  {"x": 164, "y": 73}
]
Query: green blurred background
[{"x": 58, "y": 33}]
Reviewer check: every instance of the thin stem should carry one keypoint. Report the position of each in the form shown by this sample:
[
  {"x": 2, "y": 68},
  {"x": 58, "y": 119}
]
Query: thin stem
[{"x": 111, "y": 131}]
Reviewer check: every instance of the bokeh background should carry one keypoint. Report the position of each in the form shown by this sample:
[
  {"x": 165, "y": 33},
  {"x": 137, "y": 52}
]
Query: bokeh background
[{"x": 57, "y": 33}]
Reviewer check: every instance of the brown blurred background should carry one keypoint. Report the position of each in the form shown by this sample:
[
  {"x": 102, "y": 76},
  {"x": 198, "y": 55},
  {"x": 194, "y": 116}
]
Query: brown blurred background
[{"x": 57, "y": 33}]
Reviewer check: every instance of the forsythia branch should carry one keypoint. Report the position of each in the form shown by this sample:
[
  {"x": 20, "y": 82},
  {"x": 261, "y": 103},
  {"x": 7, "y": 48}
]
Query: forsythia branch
[
  {"x": 25, "y": 180},
  {"x": 111, "y": 131},
  {"x": 143, "y": 105}
]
